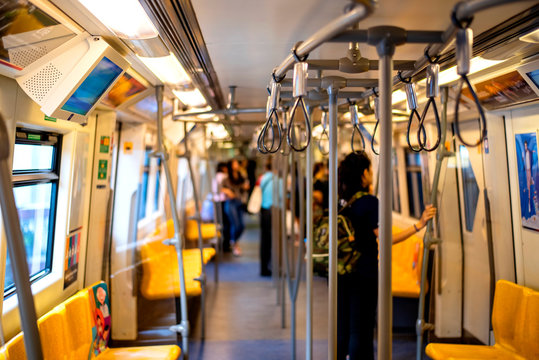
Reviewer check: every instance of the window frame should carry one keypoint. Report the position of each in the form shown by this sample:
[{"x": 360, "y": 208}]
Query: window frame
[{"x": 40, "y": 176}]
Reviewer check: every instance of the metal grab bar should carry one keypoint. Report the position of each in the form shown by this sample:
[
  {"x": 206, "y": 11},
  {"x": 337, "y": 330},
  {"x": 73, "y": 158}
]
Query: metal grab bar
[
  {"x": 15, "y": 242},
  {"x": 183, "y": 327}
]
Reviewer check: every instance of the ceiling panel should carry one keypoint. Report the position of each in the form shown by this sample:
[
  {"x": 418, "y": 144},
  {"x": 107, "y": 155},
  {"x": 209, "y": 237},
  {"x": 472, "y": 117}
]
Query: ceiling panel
[{"x": 246, "y": 39}]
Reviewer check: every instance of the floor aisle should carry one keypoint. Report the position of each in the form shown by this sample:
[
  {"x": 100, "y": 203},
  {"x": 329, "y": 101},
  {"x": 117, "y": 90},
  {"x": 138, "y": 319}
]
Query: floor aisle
[{"x": 244, "y": 320}]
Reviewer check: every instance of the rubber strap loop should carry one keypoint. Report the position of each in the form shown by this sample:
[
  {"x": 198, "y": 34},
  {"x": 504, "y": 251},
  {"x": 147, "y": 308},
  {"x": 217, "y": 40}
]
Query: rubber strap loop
[
  {"x": 438, "y": 125},
  {"x": 481, "y": 120},
  {"x": 295, "y": 54},
  {"x": 404, "y": 80},
  {"x": 421, "y": 129},
  {"x": 299, "y": 102},
  {"x": 372, "y": 140},
  {"x": 431, "y": 59}
]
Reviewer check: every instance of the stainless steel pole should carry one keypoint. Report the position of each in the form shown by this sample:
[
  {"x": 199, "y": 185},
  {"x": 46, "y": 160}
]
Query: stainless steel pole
[
  {"x": 442, "y": 153},
  {"x": 202, "y": 278},
  {"x": 385, "y": 311},
  {"x": 333, "y": 199},
  {"x": 183, "y": 327},
  {"x": 309, "y": 256},
  {"x": 15, "y": 246},
  {"x": 284, "y": 238}
]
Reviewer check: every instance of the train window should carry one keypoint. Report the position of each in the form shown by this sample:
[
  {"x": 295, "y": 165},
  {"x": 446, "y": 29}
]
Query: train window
[
  {"x": 157, "y": 185},
  {"x": 144, "y": 185},
  {"x": 471, "y": 189},
  {"x": 415, "y": 188},
  {"x": 35, "y": 182}
]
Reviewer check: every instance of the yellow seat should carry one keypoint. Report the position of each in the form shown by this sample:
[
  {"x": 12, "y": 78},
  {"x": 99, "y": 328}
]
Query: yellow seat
[
  {"x": 515, "y": 323},
  {"x": 143, "y": 352},
  {"x": 160, "y": 272},
  {"x": 14, "y": 348},
  {"x": 79, "y": 323},
  {"x": 55, "y": 341},
  {"x": 406, "y": 266}
]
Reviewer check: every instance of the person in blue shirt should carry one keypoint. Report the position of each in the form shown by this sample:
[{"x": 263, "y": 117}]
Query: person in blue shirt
[{"x": 266, "y": 185}]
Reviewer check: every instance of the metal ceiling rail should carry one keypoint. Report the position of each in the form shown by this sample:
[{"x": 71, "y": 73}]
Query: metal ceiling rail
[
  {"x": 462, "y": 11},
  {"x": 358, "y": 12},
  {"x": 229, "y": 112}
]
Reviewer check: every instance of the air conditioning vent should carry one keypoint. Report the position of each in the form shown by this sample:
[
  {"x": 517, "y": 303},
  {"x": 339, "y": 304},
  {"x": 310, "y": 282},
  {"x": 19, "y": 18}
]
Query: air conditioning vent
[{"x": 39, "y": 85}]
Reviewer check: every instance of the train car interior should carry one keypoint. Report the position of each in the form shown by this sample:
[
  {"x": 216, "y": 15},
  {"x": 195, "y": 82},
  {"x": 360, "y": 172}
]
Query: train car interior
[{"x": 278, "y": 179}]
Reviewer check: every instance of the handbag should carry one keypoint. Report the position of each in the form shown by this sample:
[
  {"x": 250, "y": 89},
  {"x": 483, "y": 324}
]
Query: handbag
[
  {"x": 255, "y": 200},
  {"x": 207, "y": 212}
]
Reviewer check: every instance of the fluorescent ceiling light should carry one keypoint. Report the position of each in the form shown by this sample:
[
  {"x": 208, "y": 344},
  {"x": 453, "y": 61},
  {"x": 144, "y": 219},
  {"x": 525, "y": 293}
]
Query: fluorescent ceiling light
[
  {"x": 217, "y": 131},
  {"x": 398, "y": 96},
  {"x": 126, "y": 18},
  {"x": 476, "y": 64},
  {"x": 192, "y": 98},
  {"x": 532, "y": 37},
  {"x": 167, "y": 68}
]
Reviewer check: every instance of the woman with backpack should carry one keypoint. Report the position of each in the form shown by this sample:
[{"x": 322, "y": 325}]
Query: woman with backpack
[{"x": 357, "y": 295}]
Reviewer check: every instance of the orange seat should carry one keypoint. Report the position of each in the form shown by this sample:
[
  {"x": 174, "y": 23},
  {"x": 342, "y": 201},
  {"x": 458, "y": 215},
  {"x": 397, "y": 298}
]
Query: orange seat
[
  {"x": 515, "y": 323},
  {"x": 406, "y": 266}
]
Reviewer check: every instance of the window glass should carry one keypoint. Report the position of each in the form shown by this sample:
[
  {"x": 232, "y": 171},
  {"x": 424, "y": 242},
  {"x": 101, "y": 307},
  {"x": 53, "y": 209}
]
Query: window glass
[
  {"x": 36, "y": 201},
  {"x": 415, "y": 186},
  {"x": 157, "y": 185},
  {"x": 471, "y": 189},
  {"x": 144, "y": 185},
  {"x": 33, "y": 157}
]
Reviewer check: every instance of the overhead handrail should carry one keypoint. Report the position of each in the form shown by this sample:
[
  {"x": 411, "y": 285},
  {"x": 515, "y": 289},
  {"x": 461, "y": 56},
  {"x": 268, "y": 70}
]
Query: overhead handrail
[
  {"x": 324, "y": 124},
  {"x": 411, "y": 97},
  {"x": 432, "y": 92},
  {"x": 464, "y": 49},
  {"x": 354, "y": 118},
  {"x": 299, "y": 92}
]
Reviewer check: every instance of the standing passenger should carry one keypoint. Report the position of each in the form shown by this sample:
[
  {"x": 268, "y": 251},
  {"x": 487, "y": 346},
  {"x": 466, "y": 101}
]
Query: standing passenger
[
  {"x": 266, "y": 186},
  {"x": 221, "y": 196},
  {"x": 358, "y": 291},
  {"x": 234, "y": 185}
]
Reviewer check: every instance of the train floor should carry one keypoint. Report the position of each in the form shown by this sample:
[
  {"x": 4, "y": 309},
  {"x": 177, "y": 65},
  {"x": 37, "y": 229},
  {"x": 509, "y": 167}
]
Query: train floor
[{"x": 243, "y": 318}]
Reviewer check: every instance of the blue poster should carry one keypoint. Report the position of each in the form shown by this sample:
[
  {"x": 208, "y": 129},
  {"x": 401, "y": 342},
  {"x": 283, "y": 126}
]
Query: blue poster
[{"x": 528, "y": 179}]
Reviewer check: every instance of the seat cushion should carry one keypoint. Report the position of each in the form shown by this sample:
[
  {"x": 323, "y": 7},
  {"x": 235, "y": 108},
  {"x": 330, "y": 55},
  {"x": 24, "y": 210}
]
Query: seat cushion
[
  {"x": 469, "y": 352},
  {"x": 160, "y": 352}
]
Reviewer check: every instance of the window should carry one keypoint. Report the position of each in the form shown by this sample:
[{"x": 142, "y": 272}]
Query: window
[
  {"x": 415, "y": 187},
  {"x": 157, "y": 185},
  {"x": 35, "y": 183},
  {"x": 144, "y": 184}
]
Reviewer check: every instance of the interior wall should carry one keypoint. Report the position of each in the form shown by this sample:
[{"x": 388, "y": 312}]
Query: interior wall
[{"x": 526, "y": 241}]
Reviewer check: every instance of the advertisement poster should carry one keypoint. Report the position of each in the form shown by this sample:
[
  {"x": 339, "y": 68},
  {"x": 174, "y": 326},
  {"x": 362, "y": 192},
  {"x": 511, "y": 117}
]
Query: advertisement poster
[
  {"x": 504, "y": 90},
  {"x": 71, "y": 259},
  {"x": 528, "y": 178}
]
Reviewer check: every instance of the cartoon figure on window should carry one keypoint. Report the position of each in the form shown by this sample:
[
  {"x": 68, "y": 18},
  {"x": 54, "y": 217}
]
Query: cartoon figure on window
[{"x": 528, "y": 176}]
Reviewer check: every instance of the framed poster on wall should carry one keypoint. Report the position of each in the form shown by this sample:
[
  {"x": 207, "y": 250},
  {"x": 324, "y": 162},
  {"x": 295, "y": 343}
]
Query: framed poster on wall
[{"x": 528, "y": 179}]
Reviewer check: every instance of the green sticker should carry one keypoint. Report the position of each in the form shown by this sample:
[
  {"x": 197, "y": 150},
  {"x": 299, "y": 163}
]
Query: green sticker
[
  {"x": 48, "y": 118},
  {"x": 104, "y": 144},
  {"x": 34, "y": 137},
  {"x": 102, "y": 170}
]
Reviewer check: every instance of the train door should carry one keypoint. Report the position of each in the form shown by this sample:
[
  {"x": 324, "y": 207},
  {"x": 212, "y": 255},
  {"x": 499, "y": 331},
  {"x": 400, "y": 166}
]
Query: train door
[{"x": 476, "y": 275}]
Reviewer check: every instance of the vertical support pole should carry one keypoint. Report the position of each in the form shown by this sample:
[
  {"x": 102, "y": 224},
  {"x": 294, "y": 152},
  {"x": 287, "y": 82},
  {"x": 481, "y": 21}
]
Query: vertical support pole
[
  {"x": 284, "y": 239},
  {"x": 309, "y": 262},
  {"x": 385, "y": 311},
  {"x": 202, "y": 278},
  {"x": 275, "y": 226},
  {"x": 15, "y": 245},
  {"x": 333, "y": 198},
  {"x": 290, "y": 249},
  {"x": 183, "y": 327}
]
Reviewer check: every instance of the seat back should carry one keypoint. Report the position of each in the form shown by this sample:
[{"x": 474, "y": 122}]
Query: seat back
[
  {"x": 55, "y": 342},
  {"x": 530, "y": 328},
  {"x": 14, "y": 348},
  {"x": 508, "y": 313},
  {"x": 79, "y": 323}
]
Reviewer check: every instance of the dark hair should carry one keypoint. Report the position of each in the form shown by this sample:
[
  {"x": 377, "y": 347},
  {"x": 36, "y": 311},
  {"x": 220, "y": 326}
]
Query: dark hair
[
  {"x": 317, "y": 167},
  {"x": 351, "y": 170},
  {"x": 221, "y": 166},
  {"x": 268, "y": 165}
]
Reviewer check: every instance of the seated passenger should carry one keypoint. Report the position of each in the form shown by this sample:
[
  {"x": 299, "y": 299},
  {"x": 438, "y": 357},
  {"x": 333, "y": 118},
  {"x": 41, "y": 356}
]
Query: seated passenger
[{"x": 358, "y": 290}]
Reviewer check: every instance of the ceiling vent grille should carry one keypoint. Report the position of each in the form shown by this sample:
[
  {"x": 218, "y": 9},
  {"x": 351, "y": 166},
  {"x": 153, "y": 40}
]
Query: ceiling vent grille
[{"x": 39, "y": 85}]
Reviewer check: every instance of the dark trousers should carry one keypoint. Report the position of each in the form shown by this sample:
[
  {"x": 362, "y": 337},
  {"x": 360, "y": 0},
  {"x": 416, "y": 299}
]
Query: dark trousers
[
  {"x": 226, "y": 227},
  {"x": 234, "y": 212},
  {"x": 356, "y": 315},
  {"x": 265, "y": 240}
]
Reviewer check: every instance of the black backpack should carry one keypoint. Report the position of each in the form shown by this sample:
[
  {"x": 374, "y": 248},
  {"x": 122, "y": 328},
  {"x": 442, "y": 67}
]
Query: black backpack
[{"x": 348, "y": 255}]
